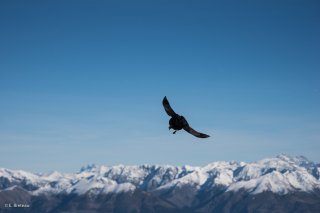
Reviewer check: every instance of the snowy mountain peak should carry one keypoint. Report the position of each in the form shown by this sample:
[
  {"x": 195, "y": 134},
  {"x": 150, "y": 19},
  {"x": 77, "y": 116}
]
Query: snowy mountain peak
[
  {"x": 300, "y": 160},
  {"x": 88, "y": 168},
  {"x": 281, "y": 174}
]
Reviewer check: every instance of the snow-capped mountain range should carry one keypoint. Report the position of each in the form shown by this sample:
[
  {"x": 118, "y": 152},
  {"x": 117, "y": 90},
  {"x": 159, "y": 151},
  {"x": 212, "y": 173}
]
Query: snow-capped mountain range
[{"x": 282, "y": 174}]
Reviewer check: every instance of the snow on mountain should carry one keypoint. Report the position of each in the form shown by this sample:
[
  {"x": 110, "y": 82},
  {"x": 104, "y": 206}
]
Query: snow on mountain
[
  {"x": 282, "y": 174},
  {"x": 99, "y": 184}
]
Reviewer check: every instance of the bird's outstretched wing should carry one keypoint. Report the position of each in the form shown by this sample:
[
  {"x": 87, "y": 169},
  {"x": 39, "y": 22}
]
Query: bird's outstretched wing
[
  {"x": 167, "y": 107},
  {"x": 195, "y": 133}
]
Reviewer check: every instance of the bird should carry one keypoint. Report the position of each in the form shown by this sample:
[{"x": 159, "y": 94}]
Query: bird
[{"x": 178, "y": 122}]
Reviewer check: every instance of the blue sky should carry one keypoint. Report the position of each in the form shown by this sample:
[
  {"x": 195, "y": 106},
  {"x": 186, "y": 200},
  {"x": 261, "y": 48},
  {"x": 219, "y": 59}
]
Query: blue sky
[{"x": 82, "y": 81}]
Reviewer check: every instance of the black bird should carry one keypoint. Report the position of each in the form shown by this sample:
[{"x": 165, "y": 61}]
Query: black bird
[{"x": 178, "y": 122}]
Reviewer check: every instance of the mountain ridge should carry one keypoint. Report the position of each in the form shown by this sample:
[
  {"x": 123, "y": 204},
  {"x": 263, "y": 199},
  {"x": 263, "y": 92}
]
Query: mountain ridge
[
  {"x": 219, "y": 186},
  {"x": 281, "y": 174}
]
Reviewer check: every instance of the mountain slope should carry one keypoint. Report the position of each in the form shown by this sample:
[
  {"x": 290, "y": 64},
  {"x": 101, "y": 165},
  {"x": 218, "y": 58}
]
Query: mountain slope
[{"x": 287, "y": 183}]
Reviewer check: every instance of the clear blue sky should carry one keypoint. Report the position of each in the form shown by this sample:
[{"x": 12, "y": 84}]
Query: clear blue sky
[{"x": 82, "y": 81}]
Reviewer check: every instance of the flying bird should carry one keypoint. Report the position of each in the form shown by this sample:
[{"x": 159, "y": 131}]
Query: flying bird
[{"x": 178, "y": 122}]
